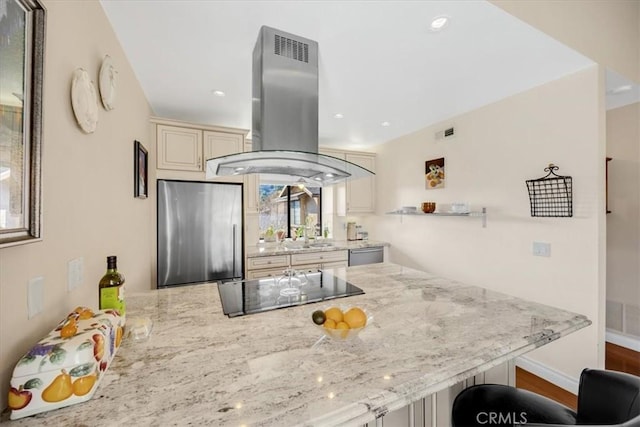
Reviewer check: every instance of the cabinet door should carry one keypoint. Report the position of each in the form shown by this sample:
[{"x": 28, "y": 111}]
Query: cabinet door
[
  {"x": 179, "y": 148},
  {"x": 361, "y": 192},
  {"x": 251, "y": 187},
  {"x": 218, "y": 144}
]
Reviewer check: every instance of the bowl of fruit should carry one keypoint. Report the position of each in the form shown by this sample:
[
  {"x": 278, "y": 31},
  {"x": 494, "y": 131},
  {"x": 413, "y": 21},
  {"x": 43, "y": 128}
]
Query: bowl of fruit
[{"x": 341, "y": 323}]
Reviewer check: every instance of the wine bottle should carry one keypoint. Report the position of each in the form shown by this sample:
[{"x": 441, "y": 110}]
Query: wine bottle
[{"x": 111, "y": 288}]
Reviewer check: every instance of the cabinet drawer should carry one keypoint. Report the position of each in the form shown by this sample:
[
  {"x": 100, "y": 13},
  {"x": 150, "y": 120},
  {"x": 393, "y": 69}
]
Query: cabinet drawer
[
  {"x": 267, "y": 262},
  {"x": 319, "y": 257},
  {"x": 264, "y": 273},
  {"x": 339, "y": 264}
]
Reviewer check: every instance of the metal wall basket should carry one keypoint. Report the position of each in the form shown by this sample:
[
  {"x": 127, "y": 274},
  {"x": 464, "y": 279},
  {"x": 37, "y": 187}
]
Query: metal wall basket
[{"x": 551, "y": 195}]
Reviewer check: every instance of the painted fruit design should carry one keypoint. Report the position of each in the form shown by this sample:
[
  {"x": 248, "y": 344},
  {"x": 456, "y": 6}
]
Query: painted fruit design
[
  {"x": 83, "y": 385},
  {"x": 59, "y": 389},
  {"x": 98, "y": 346},
  {"x": 18, "y": 398},
  {"x": 119, "y": 333}
]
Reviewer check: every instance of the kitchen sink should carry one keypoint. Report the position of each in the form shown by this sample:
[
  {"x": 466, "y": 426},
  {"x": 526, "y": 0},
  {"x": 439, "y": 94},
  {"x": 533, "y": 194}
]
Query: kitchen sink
[{"x": 320, "y": 245}]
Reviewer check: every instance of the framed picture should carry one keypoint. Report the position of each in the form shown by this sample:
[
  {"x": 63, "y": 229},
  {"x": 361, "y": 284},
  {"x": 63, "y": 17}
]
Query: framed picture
[
  {"x": 434, "y": 173},
  {"x": 140, "y": 187}
]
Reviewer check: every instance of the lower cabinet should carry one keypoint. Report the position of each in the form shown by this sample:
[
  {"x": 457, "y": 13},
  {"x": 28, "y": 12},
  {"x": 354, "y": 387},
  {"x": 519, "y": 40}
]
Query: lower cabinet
[
  {"x": 435, "y": 410},
  {"x": 308, "y": 262}
]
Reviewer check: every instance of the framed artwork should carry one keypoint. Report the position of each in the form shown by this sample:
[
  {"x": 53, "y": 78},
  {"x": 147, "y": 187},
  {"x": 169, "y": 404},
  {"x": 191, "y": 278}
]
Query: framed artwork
[
  {"x": 434, "y": 173},
  {"x": 22, "y": 41},
  {"x": 140, "y": 184}
]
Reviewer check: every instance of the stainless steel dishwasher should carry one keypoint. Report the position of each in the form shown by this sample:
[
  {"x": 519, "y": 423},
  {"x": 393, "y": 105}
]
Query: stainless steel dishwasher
[{"x": 366, "y": 255}]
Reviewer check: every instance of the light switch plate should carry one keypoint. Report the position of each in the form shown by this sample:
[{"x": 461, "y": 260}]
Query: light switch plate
[
  {"x": 541, "y": 249},
  {"x": 75, "y": 273},
  {"x": 35, "y": 296}
]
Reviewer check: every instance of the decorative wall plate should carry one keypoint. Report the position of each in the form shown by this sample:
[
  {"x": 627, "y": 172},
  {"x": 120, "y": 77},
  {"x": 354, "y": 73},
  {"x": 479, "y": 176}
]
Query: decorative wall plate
[
  {"x": 84, "y": 101},
  {"x": 107, "y": 83}
]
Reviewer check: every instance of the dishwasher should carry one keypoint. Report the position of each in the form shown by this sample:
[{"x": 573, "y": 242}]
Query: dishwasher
[{"x": 366, "y": 255}]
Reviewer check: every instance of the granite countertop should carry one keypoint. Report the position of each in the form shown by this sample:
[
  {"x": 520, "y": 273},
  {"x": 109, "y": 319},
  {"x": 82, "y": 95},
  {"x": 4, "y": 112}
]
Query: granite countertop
[
  {"x": 289, "y": 248},
  {"x": 269, "y": 369}
]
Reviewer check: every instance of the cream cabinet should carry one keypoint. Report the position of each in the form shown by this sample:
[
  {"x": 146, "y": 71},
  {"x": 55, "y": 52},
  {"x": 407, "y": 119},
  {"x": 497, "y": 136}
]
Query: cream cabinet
[
  {"x": 179, "y": 148},
  {"x": 251, "y": 187},
  {"x": 319, "y": 258},
  {"x": 360, "y": 193},
  {"x": 357, "y": 195},
  {"x": 217, "y": 144},
  {"x": 273, "y": 266},
  {"x": 183, "y": 146}
]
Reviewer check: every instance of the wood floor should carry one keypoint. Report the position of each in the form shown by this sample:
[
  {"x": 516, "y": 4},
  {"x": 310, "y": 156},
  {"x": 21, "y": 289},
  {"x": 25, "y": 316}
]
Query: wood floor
[{"x": 616, "y": 359}]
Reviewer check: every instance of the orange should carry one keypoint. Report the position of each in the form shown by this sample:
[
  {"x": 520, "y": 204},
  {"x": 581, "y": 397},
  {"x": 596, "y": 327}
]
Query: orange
[
  {"x": 330, "y": 324},
  {"x": 355, "y": 317},
  {"x": 334, "y": 313}
]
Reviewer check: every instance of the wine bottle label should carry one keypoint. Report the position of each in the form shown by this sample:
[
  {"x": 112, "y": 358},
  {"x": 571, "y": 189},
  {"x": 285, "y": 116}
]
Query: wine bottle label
[{"x": 113, "y": 297}]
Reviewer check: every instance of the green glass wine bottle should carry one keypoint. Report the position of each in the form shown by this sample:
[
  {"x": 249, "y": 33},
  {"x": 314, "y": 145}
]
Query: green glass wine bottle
[{"x": 111, "y": 288}]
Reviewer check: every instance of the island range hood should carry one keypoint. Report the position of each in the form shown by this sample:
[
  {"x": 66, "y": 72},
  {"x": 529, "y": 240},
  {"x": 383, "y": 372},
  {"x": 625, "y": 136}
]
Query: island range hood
[{"x": 285, "y": 117}]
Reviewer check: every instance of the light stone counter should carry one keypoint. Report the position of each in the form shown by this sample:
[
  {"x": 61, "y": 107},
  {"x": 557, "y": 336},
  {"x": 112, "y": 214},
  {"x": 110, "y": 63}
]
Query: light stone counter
[
  {"x": 201, "y": 368},
  {"x": 269, "y": 249}
]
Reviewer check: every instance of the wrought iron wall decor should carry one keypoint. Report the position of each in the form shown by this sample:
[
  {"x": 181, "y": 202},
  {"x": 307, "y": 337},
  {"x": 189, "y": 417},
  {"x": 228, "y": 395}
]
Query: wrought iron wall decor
[{"x": 551, "y": 195}]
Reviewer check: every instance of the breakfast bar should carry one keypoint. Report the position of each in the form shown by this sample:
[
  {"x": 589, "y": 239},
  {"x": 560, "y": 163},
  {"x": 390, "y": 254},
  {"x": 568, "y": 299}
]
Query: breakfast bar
[{"x": 273, "y": 368}]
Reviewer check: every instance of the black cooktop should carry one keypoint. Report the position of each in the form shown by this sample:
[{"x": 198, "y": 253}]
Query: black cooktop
[{"x": 255, "y": 296}]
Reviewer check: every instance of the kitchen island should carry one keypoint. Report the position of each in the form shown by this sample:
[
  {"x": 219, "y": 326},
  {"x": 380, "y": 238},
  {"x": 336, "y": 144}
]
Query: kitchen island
[{"x": 200, "y": 367}]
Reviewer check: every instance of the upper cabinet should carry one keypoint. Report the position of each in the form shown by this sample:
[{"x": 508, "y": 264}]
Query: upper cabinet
[
  {"x": 217, "y": 144},
  {"x": 358, "y": 195},
  {"x": 186, "y": 146},
  {"x": 360, "y": 192},
  {"x": 179, "y": 148}
]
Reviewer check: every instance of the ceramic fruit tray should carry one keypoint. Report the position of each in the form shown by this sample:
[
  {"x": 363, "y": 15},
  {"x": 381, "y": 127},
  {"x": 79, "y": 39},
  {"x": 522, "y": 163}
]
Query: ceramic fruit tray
[{"x": 66, "y": 366}]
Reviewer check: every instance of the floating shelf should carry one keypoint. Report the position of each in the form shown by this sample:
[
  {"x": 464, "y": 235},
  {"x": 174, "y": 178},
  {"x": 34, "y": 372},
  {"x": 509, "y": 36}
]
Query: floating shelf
[{"x": 482, "y": 214}]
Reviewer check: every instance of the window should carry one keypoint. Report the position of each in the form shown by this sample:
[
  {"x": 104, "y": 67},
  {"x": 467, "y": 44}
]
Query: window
[
  {"x": 290, "y": 211},
  {"x": 21, "y": 72}
]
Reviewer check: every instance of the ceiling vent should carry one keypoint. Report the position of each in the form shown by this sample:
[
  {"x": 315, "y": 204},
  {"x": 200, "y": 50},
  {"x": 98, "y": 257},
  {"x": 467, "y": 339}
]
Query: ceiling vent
[
  {"x": 446, "y": 133},
  {"x": 290, "y": 48}
]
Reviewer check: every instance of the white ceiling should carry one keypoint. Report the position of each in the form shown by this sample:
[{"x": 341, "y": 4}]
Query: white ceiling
[{"x": 379, "y": 60}]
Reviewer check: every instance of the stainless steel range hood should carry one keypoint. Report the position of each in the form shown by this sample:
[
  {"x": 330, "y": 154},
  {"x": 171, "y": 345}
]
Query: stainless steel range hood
[{"x": 285, "y": 117}]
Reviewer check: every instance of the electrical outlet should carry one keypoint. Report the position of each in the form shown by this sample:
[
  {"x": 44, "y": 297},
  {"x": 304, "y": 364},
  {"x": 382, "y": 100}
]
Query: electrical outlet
[
  {"x": 541, "y": 249},
  {"x": 35, "y": 296},
  {"x": 75, "y": 273}
]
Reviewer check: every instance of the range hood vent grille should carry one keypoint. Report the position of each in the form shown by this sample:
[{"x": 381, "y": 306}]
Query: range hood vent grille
[{"x": 290, "y": 48}]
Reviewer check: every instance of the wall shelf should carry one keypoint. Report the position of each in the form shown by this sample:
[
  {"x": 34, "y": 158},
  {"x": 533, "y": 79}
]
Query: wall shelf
[{"x": 482, "y": 214}]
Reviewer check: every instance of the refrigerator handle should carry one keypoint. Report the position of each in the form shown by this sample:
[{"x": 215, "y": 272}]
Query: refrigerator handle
[{"x": 233, "y": 244}]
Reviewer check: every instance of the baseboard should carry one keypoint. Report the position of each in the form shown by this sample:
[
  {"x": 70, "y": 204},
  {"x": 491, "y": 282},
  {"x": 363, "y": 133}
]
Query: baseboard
[
  {"x": 548, "y": 374},
  {"x": 626, "y": 341}
]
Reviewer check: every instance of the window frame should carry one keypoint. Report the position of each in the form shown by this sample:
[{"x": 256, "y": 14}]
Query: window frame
[
  {"x": 288, "y": 208},
  {"x": 32, "y": 113}
]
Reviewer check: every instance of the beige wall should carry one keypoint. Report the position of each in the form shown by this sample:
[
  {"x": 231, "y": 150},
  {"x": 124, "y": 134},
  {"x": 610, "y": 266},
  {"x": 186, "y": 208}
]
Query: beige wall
[
  {"x": 623, "y": 223},
  {"x": 495, "y": 150},
  {"x": 89, "y": 209},
  {"x": 607, "y": 31}
]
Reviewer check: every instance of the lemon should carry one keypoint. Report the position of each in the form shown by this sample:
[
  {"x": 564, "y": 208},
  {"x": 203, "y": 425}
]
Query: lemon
[
  {"x": 355, "y": 317},
  {"x": 330, "y": 324},
  {"x": 334, "y": 313},
  {"x": 342, "y": 325}
]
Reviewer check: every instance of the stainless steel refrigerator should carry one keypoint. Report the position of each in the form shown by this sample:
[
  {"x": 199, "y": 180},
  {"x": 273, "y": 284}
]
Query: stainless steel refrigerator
[{"x": 200, "y": 232}]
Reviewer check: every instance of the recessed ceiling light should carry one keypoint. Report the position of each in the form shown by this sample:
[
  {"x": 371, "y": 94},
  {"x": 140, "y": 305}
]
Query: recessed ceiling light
[
  {"x": 328, "y": 175},
  {"x": 385, "y": 124},
  {"x": 219, "y": 93},
  {"x": 317, "y": 178},
  {"x": 439, "y": 22},
  {"x": 238, "y": 169},
  {"x": 338, "y": 116}
]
